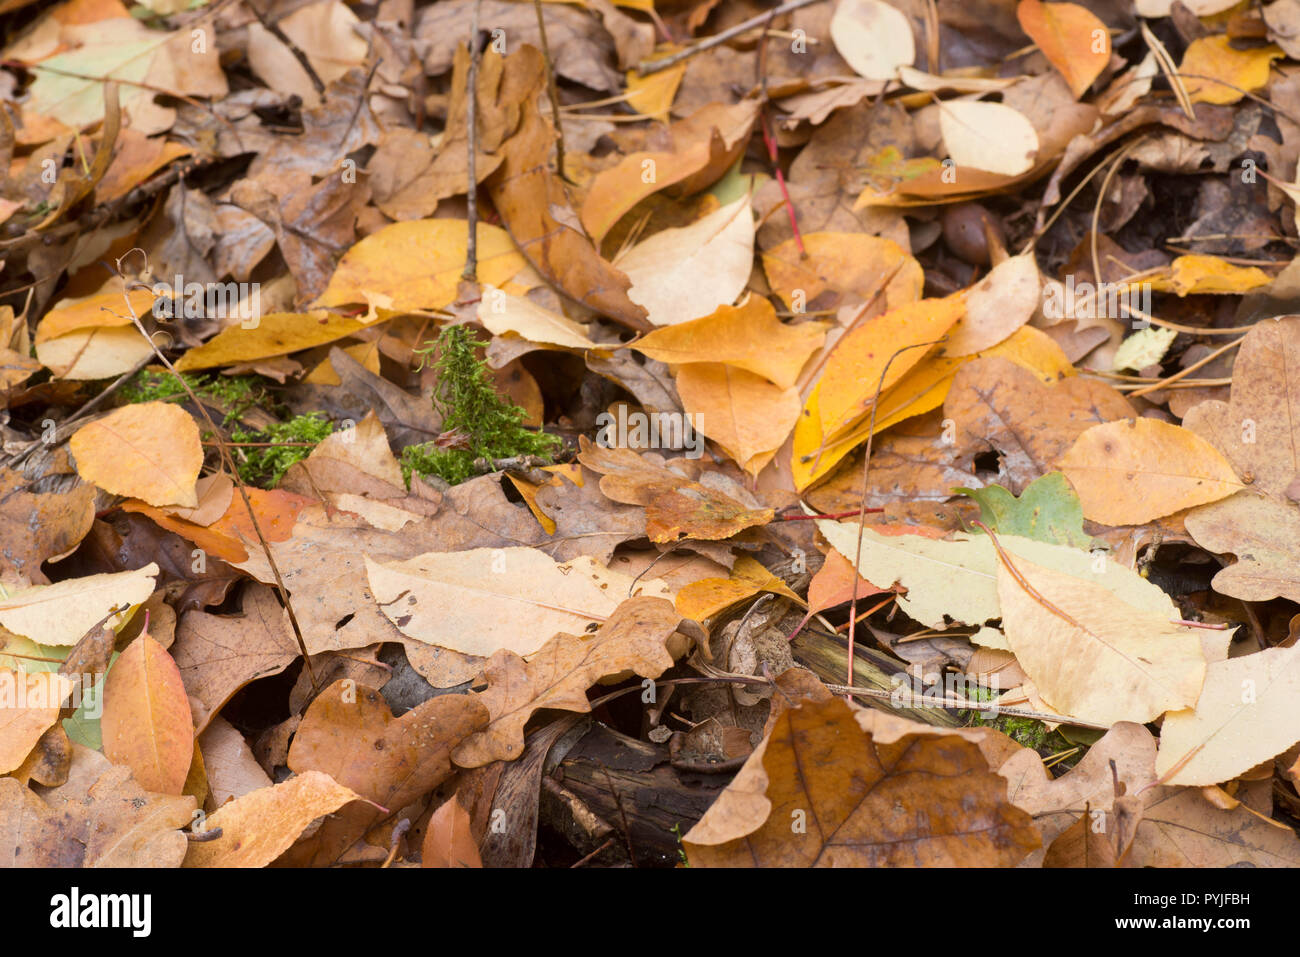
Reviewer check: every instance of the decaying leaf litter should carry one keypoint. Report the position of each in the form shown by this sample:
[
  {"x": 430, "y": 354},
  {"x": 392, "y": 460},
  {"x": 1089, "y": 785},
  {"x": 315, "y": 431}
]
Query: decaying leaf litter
[{"x": 846, "y": 433}]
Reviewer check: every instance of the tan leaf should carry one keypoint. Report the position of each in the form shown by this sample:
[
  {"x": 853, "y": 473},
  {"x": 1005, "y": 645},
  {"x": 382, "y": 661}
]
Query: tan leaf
[
  {"x": 998, "y": 404},
  {"x": 1135, "y": 470},
  {"x": 1258, "y": 428},
  {"x": 146, "y": 723},
  {"x": 683, "y": 273},
  {"x": 873, "y": 37},
  {"x": 1245, "y": 715},
  {"x": 1262, "y": 533},
  {"x": 29, "y": 704},
  {"x": 232, "y": 770},
  {"x": 150, "y": 451},
  {"x": 1095, "y": 656},
  {"x": 634, "y": 639},
  {"x": 988, "y": 137},
  {"x": 219, "y": 654},
  {"x": 500, "y": 312},
  {"x": 996, "y": 306},
  {"x": 100, "y": 817},
  {"x": 488, "y": 599},
  {"x": 260, "y": 826},
  {"x": 60, "y": 614}
]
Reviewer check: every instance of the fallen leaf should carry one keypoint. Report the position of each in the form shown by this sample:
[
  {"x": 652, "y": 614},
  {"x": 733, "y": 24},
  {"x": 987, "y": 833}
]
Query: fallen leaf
[
  {"x": 417, "y": 265},
  {"x": 217, "y": 655},
  {"x": 448, "y": 841},
  {"x": 748, "y": 336},
  {"x": 146, "y": 722},
  {"x": 698, "y": 151},
  {"x": 634, "y": 638},
  {"x": 873, "y": 37},
  {"x": 688, "y": 272},
  {"x": 60, "y": 614},
  {"x": 1214, "y": 71},
  {"x": 261, "y": 825},
  {"x": 1093, "y": 655},
  {"x": 100, "y": 817},
  {"x": 350, "y": 734},
  {"x": 1071, "y": 37},
  {"x": 29, "y": 705},
  {"x": 676, "y": 505},
  {"x": 987, "y": 137},
  {"x": 484, "y": 600},
  {"x": 1129, "y": 472},
  {"x": 535, "y": 208},
  {"x": 1242, "y": 718},
  {"x": 150, "y": 451},
  {"x": 836, "y": 797}
]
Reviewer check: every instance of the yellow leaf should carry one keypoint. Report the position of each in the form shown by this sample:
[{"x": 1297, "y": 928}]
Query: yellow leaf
[
  {"x": 419, "y": 264},
  {"x": 149, "y": 451},
  {"x": 1202, "y": 275},
  {"x": 748, "y": 336},
  {"x": 706, "y": 598},
  {"x": 848, "y": 384},
  {"x": 1214, "y": 72},
  {"x": 1135, "y": 470},
  {"x": 744, "y": 413},
  {"x": 276, "y": 334}
]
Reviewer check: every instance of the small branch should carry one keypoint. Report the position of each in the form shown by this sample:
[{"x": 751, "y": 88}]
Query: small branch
[
  {"x": 470, "y": 274},
  {"x": 646, "y": 67},
  {"x": 229, "y": 460},
  {"x": 552, "y": 92}
]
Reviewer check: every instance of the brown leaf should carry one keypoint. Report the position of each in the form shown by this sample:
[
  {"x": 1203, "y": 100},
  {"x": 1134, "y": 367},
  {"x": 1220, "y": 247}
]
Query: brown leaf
[
  {"x": 219, "y": 654},
  {"x": 1004, "y": 407},
  {"x": 535, "y": 208},
  {"x": 676, "y": 506},
  {"x": 44, "y": 511},
  {"x": 350, "y": 734},
  {"x": 834, "y": 796},
  {"x": 634, "y": 638},
  {"x": 100, "y": 817},
  {"x": 447, "y": 838}
]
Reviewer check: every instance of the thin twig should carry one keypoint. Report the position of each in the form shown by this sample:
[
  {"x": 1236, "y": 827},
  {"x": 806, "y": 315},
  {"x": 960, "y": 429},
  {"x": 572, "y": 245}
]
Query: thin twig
[
  {"x": 1154, "y": 386},
  {"x": 229, "y": 461},
  {"x": 866, "y": 467},
  {"x": 552, "y": 92},
  {"x": 646, "y": 67},
  {"x": 470, "y": 273}
]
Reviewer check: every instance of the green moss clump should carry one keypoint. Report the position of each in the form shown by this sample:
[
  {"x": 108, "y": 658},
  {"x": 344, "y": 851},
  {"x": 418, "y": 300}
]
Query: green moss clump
[
  {"x": 265, "y": 466},
  {"x": 487, "y": 426},
  {"x": 235, "y": 394}
]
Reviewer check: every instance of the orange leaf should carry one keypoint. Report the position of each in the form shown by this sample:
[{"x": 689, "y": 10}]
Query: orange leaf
[
  {"x": 147, "y": 725},
  {"x": 447, "y": 838},
  {"x": 1071, "y": 37}
]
